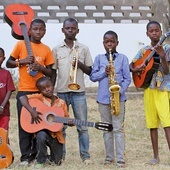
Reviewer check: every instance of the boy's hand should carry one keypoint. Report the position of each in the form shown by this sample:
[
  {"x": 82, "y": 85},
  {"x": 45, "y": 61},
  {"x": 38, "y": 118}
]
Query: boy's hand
[
  {"x": 70, "y": 123},
  {"x": 107, "y": 69},
  {"x": 36, "y": 66},
  {"x": 1, "y": 110},
  {"x": 159, "y": 50},
  {"x": 35, "y": 116},
  {"x": 28, "y": 60}
]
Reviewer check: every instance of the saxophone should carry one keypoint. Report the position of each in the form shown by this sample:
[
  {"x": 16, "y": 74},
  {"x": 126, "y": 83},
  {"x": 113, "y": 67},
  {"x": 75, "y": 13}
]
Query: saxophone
[{"x": 114, "y": 88}]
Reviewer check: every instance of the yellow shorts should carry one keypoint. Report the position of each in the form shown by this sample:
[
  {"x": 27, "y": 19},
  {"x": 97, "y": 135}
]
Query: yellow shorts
[{"x": 157, "y": 108}]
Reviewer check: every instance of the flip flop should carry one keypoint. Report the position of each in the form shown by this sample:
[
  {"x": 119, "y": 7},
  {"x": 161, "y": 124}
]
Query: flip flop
[{"x": 153, "y": 161}]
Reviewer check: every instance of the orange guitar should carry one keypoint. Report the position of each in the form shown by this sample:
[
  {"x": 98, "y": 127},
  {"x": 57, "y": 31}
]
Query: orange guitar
[
  {"x": 19, "y": 17},
  {"x": 6, "y": 156},
  {"x": 152, "y": 62},
  {"x": 51, "y": 115}
]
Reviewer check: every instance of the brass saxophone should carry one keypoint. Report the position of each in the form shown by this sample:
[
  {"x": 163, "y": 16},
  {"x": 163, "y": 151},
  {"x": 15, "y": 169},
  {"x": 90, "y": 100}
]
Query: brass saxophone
[{"x": 114, "y": 88}]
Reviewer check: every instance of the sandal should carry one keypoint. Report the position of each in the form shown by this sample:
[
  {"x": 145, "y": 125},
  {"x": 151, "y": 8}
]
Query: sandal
[
  {"x": 120, "y": 164},
  {"x": 108, "y": 162},
  {"x": 153, "y": 161}
]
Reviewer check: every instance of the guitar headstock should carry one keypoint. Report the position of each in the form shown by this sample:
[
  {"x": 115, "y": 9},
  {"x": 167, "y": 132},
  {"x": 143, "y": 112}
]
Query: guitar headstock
[
  {"x": 104, "y": 126},
  {"x": 15, "y": 14}
]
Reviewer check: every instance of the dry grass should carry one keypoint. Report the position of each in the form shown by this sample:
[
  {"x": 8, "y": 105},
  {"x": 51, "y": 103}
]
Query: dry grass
[{"x": 138, "y": 146}]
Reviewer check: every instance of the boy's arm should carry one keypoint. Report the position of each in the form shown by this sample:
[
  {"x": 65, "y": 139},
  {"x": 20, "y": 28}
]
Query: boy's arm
[
  {"x": 53, "y": 77},
  {"x": 12, "y": 62},
  {"x": 84, "y": 68},
  {"x": 6, "y": 99},
  {"x": 33, "y": 112}
]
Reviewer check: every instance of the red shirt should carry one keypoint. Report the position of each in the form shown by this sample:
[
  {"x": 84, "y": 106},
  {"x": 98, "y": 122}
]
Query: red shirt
[{"x": 6, "y": 84}]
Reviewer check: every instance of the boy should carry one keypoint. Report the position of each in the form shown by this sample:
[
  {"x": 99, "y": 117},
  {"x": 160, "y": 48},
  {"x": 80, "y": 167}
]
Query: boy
[
  {"x": 6, "y": 89},
  {"x": 101, "y": 72},
  {"x": 156, "y": 96},
  {"x": 44, "y": 138},
  {"x": 41, "y": 62},
  {"x": 65, "y": 55}
]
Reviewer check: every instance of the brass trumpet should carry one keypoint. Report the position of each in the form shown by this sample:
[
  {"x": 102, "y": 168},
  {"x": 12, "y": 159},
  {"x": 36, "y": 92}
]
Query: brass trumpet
[{"x": 73, "y": 71}]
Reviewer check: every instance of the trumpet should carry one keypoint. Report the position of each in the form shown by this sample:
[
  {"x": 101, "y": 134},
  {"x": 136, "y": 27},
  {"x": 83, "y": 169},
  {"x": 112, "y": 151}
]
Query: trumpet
[
  {"x": 114, "y": 89},
  {"x": 73, "y": 71}
]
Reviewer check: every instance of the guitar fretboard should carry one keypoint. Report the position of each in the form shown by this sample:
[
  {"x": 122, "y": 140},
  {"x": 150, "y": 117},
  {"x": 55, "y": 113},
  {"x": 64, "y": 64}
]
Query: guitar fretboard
[
  {"x": 26, "y": 39},
  {"x": 75, "y": 121}
]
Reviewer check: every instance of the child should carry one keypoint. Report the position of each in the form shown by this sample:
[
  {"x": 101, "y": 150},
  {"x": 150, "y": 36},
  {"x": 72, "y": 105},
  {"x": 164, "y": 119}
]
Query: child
[
  {"x": 156, "y": 96},
  {"x": 64, "y": 55},
  {"x": 41, "y": 63},
  {"x": 100, "y": 72},
  {"x": 6, "y": 89},
  {"x": 44, "y": 138}
]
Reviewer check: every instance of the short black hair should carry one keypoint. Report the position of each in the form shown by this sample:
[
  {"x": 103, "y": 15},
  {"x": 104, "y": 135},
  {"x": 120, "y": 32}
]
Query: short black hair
[
  {"x": 1, "y": 49},
  {"x": 152, "y": 22},
  {"x": 42, "y": 79},
  {"x": 112, "y": 33},
  {"x": 70, "y": 20},
  {"x": 40, "y": 21}
]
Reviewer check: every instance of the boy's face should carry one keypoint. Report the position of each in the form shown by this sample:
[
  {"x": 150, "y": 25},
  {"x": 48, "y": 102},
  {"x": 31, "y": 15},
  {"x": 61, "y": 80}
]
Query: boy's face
[
  {"x": 37, "y": 31},
  {"x": 70, "y": 29},
  {"x": 110, "y": 42},
  {"x": 154, "y": 32},
  {"x": 46, "y": 88},
  {"x": 2, "y": 57}
]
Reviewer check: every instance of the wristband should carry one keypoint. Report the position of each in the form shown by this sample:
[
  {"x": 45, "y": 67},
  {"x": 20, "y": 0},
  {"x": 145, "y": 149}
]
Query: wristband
[
  {"x": 18, "y": 64},
  {"x": 2, "y": 107}
]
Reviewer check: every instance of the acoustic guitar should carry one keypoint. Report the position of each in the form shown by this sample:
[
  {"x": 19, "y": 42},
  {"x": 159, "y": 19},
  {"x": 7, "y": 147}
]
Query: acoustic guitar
[
  {"x": 19, "y": 17},
  {"x": 6, "y": 155},
  {"x": 53, "y": 119},
  {"x": 152, "y": 62}
]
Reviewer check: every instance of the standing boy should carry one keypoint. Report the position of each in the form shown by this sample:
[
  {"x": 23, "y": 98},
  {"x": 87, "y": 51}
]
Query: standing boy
[
  {"x": 41, "y": 63},
  {"x": 6, "y": 88},
  {"x": 156, "y": 96},
  {"x": 100, "y": 72},
  {"x": 65, "y": 57}
]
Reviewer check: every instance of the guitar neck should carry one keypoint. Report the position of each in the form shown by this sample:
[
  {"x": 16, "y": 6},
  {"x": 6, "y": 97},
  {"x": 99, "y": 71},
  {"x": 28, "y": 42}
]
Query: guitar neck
[
  {"x": 26, "y": 39},
  {"x": 159, "y": 43},
  {"x": 74, "y": 121}
]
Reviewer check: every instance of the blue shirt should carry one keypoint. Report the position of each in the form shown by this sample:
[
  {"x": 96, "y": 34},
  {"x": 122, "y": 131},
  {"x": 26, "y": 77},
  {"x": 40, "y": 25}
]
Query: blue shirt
[{"x": 121, "y": 65}]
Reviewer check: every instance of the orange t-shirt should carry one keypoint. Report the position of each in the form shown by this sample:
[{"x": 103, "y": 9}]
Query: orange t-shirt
[
  {"x": 43, "y": 55},
  {"x": 59, "y": 103}
]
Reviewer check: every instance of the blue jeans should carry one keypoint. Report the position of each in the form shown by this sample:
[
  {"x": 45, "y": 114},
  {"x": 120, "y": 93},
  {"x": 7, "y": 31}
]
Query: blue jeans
[
  {"x": 44, "y": 139},
  {"x": 78, "y": 102}
]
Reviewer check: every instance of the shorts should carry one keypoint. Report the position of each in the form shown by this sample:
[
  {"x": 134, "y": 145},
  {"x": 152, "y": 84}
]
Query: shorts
[
  {"x": 4, "y": 122},
  {"x": 157, "y": 108}
]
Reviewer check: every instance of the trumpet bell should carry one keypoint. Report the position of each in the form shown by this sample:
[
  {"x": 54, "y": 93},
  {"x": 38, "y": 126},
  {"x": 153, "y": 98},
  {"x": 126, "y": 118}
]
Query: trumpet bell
[{"x": 74, "y": 86}]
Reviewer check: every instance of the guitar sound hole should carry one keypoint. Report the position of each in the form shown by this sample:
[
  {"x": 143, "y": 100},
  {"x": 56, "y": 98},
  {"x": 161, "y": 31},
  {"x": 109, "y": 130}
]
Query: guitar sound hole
[{"x": 50, "y": 118}]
